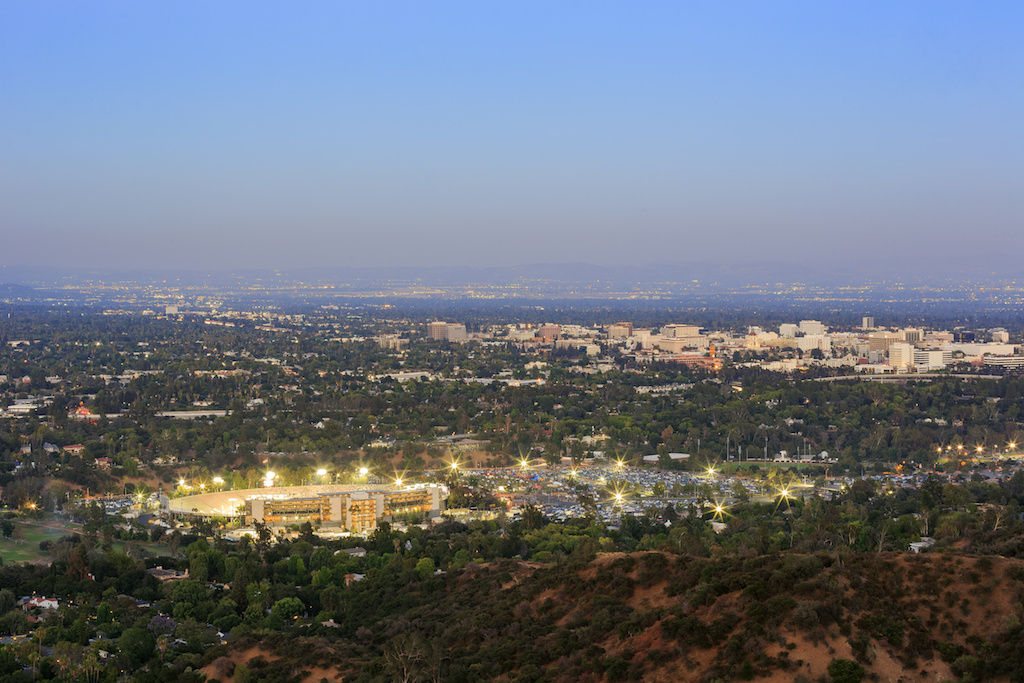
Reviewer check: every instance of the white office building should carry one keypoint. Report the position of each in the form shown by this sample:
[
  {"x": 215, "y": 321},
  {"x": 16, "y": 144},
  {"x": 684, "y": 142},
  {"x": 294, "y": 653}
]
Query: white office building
[
  {"x": 815, "y": 327},
  {"x": 932, "y": 359},
  {"x": 901, "y": 355}
]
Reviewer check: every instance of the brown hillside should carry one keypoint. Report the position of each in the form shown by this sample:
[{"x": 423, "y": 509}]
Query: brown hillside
[{"x": 661, "y": 617}]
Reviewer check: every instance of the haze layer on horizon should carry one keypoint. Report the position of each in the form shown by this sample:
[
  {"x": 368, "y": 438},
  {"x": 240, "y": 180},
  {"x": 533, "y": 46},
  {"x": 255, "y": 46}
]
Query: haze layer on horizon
[{"x": 241, "y": 134}]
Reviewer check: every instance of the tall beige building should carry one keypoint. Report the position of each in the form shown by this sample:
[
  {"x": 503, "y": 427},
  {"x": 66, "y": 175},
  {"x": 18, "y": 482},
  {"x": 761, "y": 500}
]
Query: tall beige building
[
  {"x": 880, "y": 341},
  {"x": 437, "y": 331},
  {"x": 901, "y": 355},
  {"x": 442, "y": 331}
]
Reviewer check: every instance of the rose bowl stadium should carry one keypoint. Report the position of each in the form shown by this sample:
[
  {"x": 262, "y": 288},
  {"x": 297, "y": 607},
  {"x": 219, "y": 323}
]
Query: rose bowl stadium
[{"x": 356, "y": 508}]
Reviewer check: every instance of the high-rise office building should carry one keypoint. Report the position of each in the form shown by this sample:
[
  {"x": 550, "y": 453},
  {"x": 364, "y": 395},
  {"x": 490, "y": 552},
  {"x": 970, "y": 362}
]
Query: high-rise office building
[
  {"x": 442, "y": 331},
  {"x": 437, "y": 331},
  {"x": 901, "y": 355}
]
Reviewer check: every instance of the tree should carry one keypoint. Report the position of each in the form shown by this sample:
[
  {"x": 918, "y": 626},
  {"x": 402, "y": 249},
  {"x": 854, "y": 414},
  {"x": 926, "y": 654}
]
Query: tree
[
  {"x": 263, "y": 536},
  {"x": 845, "y": 671},
  {"x": 286, "y": 609},
  {"x": 533, "y": 518},
  {"x": 405, "y": 656},
  {"x": 739, "y": 492},
  {"x": 424, "y": 568},
  {"x": 137, "y": 645}
]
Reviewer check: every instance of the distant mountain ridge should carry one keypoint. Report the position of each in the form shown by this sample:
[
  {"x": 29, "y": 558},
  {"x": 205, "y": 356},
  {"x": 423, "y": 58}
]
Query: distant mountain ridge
[
  {"x": 9, "y": 290},
  {"x": 695, "y": 273}
]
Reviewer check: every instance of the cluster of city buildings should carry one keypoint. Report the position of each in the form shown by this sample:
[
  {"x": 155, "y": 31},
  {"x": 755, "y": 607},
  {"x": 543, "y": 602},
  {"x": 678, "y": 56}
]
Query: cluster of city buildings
[{"x": 869, "y": 348}]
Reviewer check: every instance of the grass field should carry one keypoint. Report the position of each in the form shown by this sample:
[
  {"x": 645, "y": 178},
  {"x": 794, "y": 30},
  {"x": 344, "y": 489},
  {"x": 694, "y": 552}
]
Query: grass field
[{"x": 24, "y": 545}]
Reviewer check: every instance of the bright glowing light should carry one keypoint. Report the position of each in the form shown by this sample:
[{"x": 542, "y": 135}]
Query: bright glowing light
[
  {"x": 270, "y": 476},
  {"x": 618, "y": 497},
  {"x": 784, "y": 493},
  {"x": 524, "y": 463},
  {"x": 398, "y": 481},
  {"x": 939, "y": 449},
  {"x": 1011, "y": 445},
  {"x": 218, "y": 480},
  {"x": 979, "y": 449},
  {"x": 31, "y": 506},
  {"x": 711, "y": 471},
  {"x": 363, "y": 471},
  {"x": 959, "y": 446},
  {"x": 181, "y": 482},
  {"x": 619, "y": 464},
  {"x": 202, "y": 485},
  {"x": 454, "y": 465},
  {"x": 321, "y": 472},
  {"x": 719, "y": 511},
  {"x": 573, "y": 473}
]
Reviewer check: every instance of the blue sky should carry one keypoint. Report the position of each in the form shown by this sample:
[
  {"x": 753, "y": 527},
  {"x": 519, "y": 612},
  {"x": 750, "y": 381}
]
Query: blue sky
[{"x": 233, "y": 134}]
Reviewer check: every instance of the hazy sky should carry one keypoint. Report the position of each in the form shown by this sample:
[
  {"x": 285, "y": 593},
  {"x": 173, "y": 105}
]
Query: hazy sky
[{"x": 231, "y": 134}]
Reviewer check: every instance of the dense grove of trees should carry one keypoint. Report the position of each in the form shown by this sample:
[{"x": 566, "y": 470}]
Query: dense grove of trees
[
  {"x": 457, "y": 601},
  {"x": 467, "y": 602},
  {"x": 306, "y": 392}
]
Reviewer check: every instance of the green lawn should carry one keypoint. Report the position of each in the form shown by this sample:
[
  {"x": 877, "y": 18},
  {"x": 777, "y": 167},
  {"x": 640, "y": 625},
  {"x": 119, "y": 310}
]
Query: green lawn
[{"x": 24, "y": 545}]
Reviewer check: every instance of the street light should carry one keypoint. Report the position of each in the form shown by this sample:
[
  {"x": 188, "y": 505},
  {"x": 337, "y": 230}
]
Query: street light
[
  {"x": 784, "y": 495},
  {"x": 321, "y": 472},
  {"x": 219, "y": 481},
  {"x": 363, "y": 471}
]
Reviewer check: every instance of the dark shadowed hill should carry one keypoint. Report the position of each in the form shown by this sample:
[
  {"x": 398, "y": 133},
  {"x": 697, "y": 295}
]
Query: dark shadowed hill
[{"x": 660, "y": 617}]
